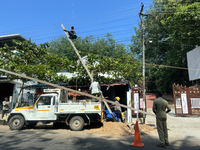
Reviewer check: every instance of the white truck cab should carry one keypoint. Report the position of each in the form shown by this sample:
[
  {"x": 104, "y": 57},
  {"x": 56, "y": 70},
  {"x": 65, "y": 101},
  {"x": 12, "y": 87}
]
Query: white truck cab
[{"x": 55, "y": 106}]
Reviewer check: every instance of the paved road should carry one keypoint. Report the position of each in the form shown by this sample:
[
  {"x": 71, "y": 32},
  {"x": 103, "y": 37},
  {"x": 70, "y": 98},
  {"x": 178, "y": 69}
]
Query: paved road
[{"x": 184, "y": 134}]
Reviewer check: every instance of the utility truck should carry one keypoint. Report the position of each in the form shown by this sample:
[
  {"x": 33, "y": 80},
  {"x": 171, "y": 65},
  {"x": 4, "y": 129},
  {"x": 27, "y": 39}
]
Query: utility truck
[{"x": 57, "y": 106}]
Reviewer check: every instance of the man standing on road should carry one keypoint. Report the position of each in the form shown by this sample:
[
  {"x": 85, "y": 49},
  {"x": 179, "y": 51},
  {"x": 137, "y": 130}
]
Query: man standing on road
[
  {"x": 5, "y": 107},
  {"x": 159, "y": 108}
]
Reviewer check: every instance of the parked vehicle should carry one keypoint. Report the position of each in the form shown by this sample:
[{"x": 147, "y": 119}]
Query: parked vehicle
[{"x": 56, "y": 106}]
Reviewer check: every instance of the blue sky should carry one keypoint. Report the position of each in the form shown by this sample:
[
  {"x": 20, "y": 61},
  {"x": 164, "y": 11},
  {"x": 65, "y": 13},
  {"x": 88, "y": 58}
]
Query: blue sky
[{"x": 41, "y": 20}]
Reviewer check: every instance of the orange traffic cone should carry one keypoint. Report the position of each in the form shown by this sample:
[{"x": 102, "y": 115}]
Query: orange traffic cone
[{"x": 137, "y": 141}]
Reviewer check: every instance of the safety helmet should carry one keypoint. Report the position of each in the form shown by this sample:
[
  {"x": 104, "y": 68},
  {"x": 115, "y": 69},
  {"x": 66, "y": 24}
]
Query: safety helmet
[{"x": 117, "y": 98}]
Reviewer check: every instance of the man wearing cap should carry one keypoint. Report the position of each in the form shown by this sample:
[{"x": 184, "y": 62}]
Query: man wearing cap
[
  {"x": 5, "y": 107},
  {"x": 160, "y": 108},
  {"x": 118, "y": 110}
]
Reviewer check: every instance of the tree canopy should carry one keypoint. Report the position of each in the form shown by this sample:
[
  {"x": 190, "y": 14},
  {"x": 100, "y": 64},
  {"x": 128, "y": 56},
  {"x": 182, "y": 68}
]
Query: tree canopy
[
  {"x": 113, "y": 58},
  {"x": 172, "y": 28},
  {"x": 27, "y": 58},
  {"x": 101, "y": 46}
]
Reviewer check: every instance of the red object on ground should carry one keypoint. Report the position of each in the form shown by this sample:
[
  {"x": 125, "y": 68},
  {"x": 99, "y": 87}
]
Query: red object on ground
[{"x": 137, "y": 140}]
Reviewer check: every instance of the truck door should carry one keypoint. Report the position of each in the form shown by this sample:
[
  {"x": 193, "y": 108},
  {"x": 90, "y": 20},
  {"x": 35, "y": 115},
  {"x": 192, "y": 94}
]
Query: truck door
[
  {"x": 54, "y": 107},
  {"x": 44, "y": 108}
]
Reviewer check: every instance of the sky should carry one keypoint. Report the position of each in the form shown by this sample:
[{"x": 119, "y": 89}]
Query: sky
[{"x": 41, "y": 20}]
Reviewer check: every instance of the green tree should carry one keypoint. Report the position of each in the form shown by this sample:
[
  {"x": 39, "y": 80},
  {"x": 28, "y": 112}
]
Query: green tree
[
  {"x": 112, "y": 58},
  {"x": 182, "y": 21},
  {"x": 117, "y": 69},
  {"x": 102, "y": 46},
  {"x": 171, "y": 26},
  {"x": 32, "y": 60}
]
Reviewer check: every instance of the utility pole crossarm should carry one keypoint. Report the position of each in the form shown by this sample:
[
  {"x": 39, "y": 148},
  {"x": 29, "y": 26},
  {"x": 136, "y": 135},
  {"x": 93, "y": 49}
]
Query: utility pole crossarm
[{"x": 78, "y": 54}]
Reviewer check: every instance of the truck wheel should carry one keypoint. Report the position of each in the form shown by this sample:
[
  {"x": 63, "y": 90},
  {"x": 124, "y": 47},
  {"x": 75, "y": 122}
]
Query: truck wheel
[
  {"x": 16, "y": 122},
  {"x": 76, "y": 123},
  {"x": 31, "y": 124}
]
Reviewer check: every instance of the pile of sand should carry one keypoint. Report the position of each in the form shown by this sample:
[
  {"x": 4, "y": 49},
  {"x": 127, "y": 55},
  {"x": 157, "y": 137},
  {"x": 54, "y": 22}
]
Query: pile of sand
[
  {"x": 117, "y": 129},
  {"x": 145, "y": 128},
  {"x": 114, "y": 129}
]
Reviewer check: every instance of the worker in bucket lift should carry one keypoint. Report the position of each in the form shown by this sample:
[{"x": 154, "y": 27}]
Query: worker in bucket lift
[{"x": 72, "y": 33}]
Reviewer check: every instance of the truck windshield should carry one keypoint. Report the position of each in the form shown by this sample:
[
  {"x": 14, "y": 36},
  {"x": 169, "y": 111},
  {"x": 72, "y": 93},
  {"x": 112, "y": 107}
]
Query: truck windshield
[{"x": 45, "y": 100}]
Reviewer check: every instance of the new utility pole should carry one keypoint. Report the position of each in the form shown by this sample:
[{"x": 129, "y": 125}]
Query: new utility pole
[{"x": 143, "y": 67}]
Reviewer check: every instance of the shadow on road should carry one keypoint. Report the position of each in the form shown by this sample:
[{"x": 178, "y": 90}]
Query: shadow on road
[
  {"x": 52, "y": 139},
  {"x": 51, "y": 126}
]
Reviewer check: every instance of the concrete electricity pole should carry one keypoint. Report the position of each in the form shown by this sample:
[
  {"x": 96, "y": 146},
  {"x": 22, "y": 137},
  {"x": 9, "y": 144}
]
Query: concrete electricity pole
[{"x": 143, "y": 67}]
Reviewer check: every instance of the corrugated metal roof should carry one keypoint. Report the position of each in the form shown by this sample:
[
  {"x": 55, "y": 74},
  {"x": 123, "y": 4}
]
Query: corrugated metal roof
[
  {"x": 43, "y": 86},
  {"x": 7, "y": 39}
]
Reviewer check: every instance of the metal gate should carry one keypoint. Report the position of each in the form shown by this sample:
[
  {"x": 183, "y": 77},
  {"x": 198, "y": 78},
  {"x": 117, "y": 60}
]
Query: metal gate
[{"x": 186, "y": 100}]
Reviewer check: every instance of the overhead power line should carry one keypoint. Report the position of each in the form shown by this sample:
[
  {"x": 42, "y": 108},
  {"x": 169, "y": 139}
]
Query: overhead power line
[
  {"x": 149, "y": 64},
  {"x": 72, "y": 20},
  {"x": 52, "y": 29}
]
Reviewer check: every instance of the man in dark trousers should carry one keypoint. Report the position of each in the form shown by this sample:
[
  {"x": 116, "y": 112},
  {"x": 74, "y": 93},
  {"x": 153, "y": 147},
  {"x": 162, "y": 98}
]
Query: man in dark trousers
[
  {"x": 159, "y": 108},
  {"x": 72, "y": 33}
]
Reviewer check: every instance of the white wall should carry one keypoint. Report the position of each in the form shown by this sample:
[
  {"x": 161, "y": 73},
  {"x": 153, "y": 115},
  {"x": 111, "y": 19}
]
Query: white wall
[{"x": 129, "y": 111}]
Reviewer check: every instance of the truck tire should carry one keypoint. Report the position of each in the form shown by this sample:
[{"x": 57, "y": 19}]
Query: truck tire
[
  {"x": 16, "y": 122},
  {"x": 76, "y": 123}
]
